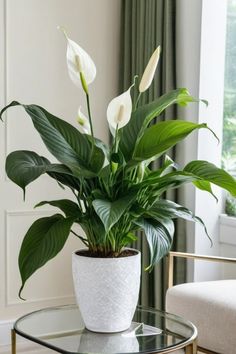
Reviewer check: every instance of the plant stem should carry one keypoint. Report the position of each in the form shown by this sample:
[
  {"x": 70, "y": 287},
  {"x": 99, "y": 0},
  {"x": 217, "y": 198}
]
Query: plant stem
[
  {"x": 80, "y": 205},
  {"x": 80, "y": 237},
  {"x": 90, "y": 122},
  {"x": 136, "y": 103}
]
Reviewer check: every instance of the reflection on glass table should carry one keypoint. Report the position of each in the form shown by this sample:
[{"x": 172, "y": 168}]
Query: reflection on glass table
[{"x": 62, "y": 329}]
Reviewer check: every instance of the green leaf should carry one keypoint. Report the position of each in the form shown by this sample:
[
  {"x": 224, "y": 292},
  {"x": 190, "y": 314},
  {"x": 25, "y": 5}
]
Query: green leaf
[
  {"x": 12, "y": 104},
  {"x": 164, "y": 169},
  {"x": 100, "y": 144},
  {"x": 65, "y": 179},
  {"x": 23, "y": 167},
  {"x": 160, "y": 137},
  {"x": 170, "y": 210},
  {"x": 205, "y": 186},
  {"x": 170, "y": 180},
  {"x": 42, "y": 242},
  {"x": 159, "y": 236},
  {"x": 142, "y": 117},
  {"x": 69, "y": 208},
  {"x": 168, "y": 163},
  {"x": 128, "y": 238},
  {"x": 209, "y": 172},
  {"x": 64, "y": 141},
  {"x": 110, "y": 212}
]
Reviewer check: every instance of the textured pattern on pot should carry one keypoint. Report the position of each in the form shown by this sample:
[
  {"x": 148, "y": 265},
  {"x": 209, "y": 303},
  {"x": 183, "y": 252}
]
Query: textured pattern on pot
[{"x": 106, "y": 290}]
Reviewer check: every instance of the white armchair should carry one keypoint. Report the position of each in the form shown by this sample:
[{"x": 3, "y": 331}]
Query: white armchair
[{"x": 210, "y": 305}]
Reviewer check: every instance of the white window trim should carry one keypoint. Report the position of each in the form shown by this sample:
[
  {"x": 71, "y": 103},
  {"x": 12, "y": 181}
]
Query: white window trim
[{"x": 227, "y": 229}]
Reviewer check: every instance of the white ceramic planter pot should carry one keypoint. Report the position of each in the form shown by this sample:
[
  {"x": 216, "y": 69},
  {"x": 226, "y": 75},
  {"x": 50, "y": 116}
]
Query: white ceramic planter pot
[{"x": 106, "y": 290}]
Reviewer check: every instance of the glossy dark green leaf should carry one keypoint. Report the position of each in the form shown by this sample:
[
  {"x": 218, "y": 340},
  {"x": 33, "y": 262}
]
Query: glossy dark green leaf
[
  {"x": 209, "y": 172},
  {"x": 170, "y": 210},
  {"x": 99, "y": 233},
  {"x": 23, "y": 167},
  {"x": 65, "y": 179},
  {"x": 142, "y": 117},
  {"x": 117, "y": 158},
  {"x": 64, "y": 141},
  {"x": 159, "y": 236},
  {"x": 167, "y": 166},
  {"x": 162, "y": 136},
  {"x": 100, "y": 144},
  {"x": 170, "y": 180},
  {"x": 42, "y": 242},
  {"x": 110, "y": 212},
  {"x": 69, "y": 208}
]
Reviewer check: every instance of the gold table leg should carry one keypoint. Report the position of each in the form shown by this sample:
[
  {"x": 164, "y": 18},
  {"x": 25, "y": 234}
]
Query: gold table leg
[
  {"x": 192, "y": 348},
  {"x": 13, "y": 341}
]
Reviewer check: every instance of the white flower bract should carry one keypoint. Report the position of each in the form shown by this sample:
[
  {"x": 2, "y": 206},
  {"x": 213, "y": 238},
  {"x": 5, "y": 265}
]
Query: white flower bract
[
  {"x": 119, "y": 111},
  {"x": 79, "y": 61},
  {"x": 83, "y": 122},
  {"x": 149, "y": 72}
]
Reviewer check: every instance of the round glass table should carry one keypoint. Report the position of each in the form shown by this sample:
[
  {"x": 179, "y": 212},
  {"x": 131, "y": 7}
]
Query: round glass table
[{"x": 62, "y": 330}]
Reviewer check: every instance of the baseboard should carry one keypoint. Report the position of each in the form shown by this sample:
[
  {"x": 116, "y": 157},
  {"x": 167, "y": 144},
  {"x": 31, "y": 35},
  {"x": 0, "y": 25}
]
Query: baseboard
[{"x": 5, "y": 332}]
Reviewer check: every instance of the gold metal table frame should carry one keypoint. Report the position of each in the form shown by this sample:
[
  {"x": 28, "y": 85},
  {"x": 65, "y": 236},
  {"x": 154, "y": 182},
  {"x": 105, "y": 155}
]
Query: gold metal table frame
[{"x": 189, "y": 346}]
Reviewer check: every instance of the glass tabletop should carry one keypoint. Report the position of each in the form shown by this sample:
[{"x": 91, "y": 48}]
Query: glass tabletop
[{"x": 62, "y": 329}]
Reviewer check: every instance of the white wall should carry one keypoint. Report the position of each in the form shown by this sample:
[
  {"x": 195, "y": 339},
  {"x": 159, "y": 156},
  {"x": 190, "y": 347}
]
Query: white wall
[
  {"x": 188, "y": 26},
  {"x": 211, "y": 87},
  {"x": 201, "y": 28},
  {"x": 33, "y": 70}
]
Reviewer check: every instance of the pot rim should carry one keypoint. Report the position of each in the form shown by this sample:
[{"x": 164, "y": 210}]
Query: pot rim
[{"x": 74, "y": 253}]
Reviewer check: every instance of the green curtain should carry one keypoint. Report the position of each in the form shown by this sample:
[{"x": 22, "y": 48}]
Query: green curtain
[{"x": 145, "y": 24}]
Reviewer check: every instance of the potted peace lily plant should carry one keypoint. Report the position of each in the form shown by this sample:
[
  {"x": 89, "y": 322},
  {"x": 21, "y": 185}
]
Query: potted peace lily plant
[{"x": 114, "y": 190}]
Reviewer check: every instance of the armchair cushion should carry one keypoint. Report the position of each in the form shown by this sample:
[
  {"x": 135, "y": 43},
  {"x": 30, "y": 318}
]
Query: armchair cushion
[{"x": 211, "y": 306}]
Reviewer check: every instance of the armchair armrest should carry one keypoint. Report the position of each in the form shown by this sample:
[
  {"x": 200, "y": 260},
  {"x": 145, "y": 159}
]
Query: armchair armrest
[{"x": 170, "y": 261}]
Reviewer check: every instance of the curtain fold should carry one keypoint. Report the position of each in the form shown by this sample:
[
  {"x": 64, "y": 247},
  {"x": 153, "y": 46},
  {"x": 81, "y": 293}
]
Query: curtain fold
[{"x": 145, "y": 24}]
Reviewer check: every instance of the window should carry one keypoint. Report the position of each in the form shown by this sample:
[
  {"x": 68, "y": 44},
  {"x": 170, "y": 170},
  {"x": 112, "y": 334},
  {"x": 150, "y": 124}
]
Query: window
[{"x": 229, "y": 123}]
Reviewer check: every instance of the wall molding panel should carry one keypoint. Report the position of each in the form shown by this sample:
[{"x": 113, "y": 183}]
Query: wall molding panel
[
  {"x": 33, "y": 70},
  {"x": 10, "y": 217},
  {"x": 5, "y": 331}
]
